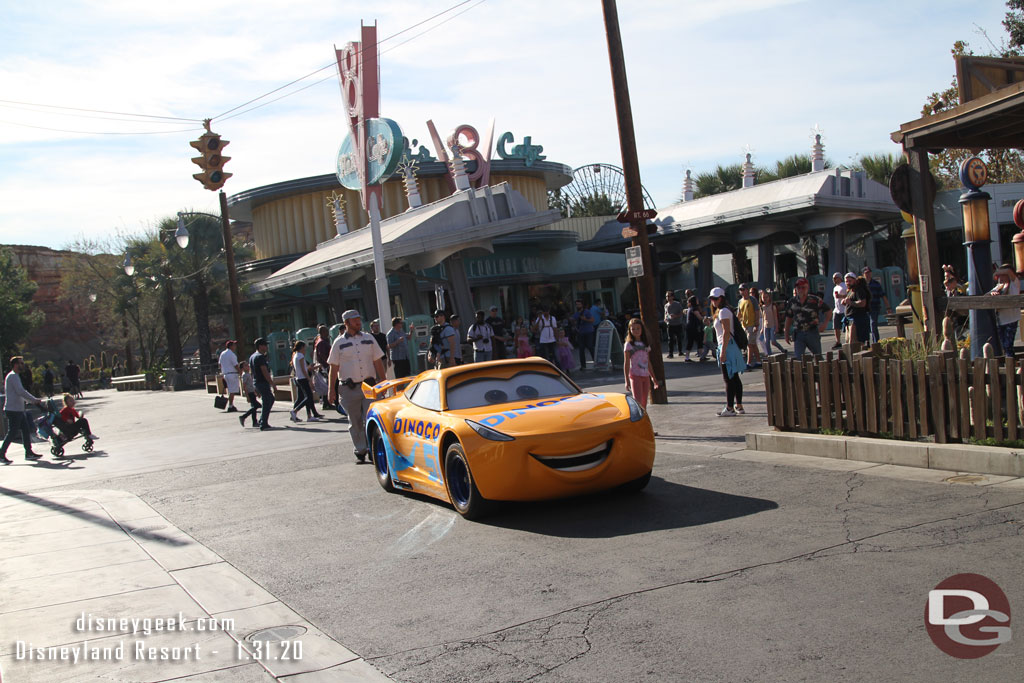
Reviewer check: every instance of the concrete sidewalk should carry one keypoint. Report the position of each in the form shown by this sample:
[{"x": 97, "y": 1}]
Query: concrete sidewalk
[{"x": 74, "y": 560}]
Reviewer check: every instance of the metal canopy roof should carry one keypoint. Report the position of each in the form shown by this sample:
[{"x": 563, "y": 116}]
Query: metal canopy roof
[
  {"x": 802, "y": 204},
  {"x": 419, "y": 238}
]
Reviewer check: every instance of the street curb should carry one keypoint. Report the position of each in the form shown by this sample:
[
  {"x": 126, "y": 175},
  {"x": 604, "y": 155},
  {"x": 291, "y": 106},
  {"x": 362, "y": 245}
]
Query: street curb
[{"x": 957, "y": 457}]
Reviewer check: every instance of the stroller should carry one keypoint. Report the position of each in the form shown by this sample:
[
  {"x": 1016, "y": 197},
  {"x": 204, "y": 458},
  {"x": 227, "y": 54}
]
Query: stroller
[{"x": 57, "y": 439}]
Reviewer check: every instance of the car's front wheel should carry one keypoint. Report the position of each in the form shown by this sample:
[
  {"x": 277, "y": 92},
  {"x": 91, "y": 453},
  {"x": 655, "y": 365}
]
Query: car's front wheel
[
  {"x": 380, "y": 460},
  {"x": 462, "y": 489}
]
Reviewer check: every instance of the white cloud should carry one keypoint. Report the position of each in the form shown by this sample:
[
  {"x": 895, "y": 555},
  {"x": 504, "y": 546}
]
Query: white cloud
[{"x": 705, "y": 79}]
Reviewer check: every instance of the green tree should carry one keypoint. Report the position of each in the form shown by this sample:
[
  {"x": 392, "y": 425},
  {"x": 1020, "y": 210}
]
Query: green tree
[
  {"x": 127, "y": 311},
  {"x": 596, "y": 204},
  {"x": 722, "y": 179},
  {"x": 18, "y": 318},
  {"x": 200, "y": 272},
  {"x": 1004, "y": 165},
  {"x": 880, "y": 167}
]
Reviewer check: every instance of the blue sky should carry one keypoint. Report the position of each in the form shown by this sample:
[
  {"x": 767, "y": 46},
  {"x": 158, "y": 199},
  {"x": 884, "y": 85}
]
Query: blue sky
[{"x": 706, "y": 79}]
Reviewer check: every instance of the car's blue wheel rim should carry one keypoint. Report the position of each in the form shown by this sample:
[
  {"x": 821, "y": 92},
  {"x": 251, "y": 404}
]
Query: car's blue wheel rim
[
  {"x": 458, "y": 478},
  {"x": 380, "y": 456}
]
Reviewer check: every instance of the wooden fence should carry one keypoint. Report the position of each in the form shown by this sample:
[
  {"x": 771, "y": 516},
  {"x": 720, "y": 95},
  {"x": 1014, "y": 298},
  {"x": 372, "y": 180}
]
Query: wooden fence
[{"x": 944, "y": 396}]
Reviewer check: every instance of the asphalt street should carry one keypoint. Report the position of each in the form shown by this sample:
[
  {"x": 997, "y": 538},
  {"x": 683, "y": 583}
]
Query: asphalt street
[{"x": 731, "y": 566}]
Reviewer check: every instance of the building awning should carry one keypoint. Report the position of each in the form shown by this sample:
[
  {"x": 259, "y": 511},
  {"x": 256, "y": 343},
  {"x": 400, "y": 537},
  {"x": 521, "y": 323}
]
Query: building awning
[
  {"x": 802, "y": 204},
  {"x": 419, "y": 238},
  {"x": 992, "y": 121}
]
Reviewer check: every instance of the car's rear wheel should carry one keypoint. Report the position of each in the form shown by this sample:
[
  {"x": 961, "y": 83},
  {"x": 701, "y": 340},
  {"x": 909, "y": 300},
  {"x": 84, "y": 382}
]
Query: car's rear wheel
[
  {"x": 636, "y": 485},
  {"x": 462, "y": 489},
  {"x": 380, "y": 460}
]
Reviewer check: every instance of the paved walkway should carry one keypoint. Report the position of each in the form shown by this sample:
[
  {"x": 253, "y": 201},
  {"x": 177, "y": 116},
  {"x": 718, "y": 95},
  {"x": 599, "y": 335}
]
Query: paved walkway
[{"x": 75, "y": 561}]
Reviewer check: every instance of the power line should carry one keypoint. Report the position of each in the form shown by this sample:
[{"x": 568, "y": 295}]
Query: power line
[
  {"x": 101, "y": 132},
  {"x": 101, "y": 111},
  {"x": 87, "y": 116},
  {"x": 438, "y": 25},
  {"x": 223, "y": 116}
]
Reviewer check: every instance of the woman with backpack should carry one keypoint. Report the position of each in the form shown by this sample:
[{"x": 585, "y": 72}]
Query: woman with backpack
[{"x": 730, "y": 357}]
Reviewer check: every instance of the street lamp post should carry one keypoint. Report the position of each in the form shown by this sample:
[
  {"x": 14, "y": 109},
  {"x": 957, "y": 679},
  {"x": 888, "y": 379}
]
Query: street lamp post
[{"x": 977, "y": 239}]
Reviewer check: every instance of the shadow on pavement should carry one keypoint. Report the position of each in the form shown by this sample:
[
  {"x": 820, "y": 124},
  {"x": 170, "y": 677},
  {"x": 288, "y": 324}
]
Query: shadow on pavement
[
  {"x": 86, "y": 516},
  {"x": 662, "y": 505}
]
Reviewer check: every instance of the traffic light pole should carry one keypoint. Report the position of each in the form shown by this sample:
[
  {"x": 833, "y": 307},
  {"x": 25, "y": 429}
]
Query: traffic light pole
[
  {"x": 229, "y": 253},
  {"x": 634, "y": 197}
]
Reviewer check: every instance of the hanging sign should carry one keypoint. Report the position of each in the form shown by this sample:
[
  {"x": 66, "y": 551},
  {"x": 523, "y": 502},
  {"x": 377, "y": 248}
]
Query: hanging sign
[
  {"x": 634, "y": 262},
  {"x": 383, "y": 145}
]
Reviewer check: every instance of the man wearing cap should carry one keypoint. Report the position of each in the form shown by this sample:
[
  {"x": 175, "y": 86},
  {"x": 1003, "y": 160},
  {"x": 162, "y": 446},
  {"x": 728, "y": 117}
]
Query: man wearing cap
[
  {"x": 500, "y": 337},
  {"x": 839, "y": 292},
  {"x": 229, "y": 369},
  {"x": 398, "y": 347},
  {"x": 877, "y": 296},
  {"x": 355, "y": 358},
  {"x": 805, "y": 314},
  {"x": 262, "y": 380},
  {"x": 479, "y": 335},
  {"x": 443, "y": 339},
  {"x": 674, "y": 321}
]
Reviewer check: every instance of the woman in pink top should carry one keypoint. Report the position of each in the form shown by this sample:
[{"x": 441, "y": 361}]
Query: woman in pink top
[{"x": 637, "y": 369}]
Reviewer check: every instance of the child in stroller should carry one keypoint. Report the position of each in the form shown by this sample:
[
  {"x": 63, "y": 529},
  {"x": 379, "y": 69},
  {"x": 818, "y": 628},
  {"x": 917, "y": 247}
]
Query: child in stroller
[{"x": 64, "y": 426}]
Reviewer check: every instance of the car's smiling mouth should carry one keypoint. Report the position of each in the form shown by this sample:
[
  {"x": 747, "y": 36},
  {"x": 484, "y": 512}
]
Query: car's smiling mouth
[{"x": 576, "y": 462}]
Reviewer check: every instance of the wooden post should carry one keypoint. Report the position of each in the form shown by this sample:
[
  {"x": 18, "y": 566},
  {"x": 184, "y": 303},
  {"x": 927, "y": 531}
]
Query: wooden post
[
  {"x": 634, "y": 195},
  {"x": 908, "y": 377},
  {"x": 937, "y": 396},
  {"x": 812, "y": 392},
  {"x": 883, "y": 397},
  {"x": 871, "y": 399},
  {"x": 922, "y": 194},
  {"x": 1010, "y": 375},
  {"x": 996, "y": 398},
  {"x": 922, "y": 397},
  {"x": 979, "y": 414},
  {"x": 897, "y": 398},
  {"x": 827, "y": 404},
  {"x": 780, "y": 398},
  {"x": 963, "y": 398}
]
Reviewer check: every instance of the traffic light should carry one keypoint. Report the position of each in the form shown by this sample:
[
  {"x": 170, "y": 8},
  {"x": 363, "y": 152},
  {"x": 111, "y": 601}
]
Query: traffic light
[{"x": 210, "y": 147}]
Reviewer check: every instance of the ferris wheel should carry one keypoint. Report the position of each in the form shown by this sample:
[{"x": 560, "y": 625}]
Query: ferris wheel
[{"x": 598, "y": 185}]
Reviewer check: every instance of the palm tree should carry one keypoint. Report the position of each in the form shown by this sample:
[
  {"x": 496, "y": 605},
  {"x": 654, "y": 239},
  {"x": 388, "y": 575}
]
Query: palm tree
[
  {"x": 880, "y": 167},
  {"x": 722, "y": 179}
]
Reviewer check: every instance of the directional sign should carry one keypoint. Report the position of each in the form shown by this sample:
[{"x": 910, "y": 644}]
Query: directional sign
[
  {"x": 634, "y": 262},
  {"x": 629, "y": 233},
  {"x": 633, "y": 216}
]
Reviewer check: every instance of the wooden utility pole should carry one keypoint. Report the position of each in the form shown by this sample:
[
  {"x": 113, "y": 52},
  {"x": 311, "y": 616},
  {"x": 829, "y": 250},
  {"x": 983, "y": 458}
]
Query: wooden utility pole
[{"x": 634, "y": 197}]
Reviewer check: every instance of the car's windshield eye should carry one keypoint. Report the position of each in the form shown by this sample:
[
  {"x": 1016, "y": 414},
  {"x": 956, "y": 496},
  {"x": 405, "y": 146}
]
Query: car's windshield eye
[
  {"x": 527, "y": 391},
  {"x": 496, "y": 396}
]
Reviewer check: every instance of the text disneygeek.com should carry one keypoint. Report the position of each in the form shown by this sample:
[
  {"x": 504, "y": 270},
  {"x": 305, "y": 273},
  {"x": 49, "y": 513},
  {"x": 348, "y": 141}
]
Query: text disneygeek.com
[{"x": 136, "y": 650}]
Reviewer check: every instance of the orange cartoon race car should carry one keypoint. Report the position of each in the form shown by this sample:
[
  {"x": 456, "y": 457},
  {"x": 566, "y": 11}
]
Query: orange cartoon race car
[{"x": 505, "y": 430}]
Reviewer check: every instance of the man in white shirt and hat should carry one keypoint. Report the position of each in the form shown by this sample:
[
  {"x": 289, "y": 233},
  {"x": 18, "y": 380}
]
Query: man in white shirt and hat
[{"x": 355, "y": 358}]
